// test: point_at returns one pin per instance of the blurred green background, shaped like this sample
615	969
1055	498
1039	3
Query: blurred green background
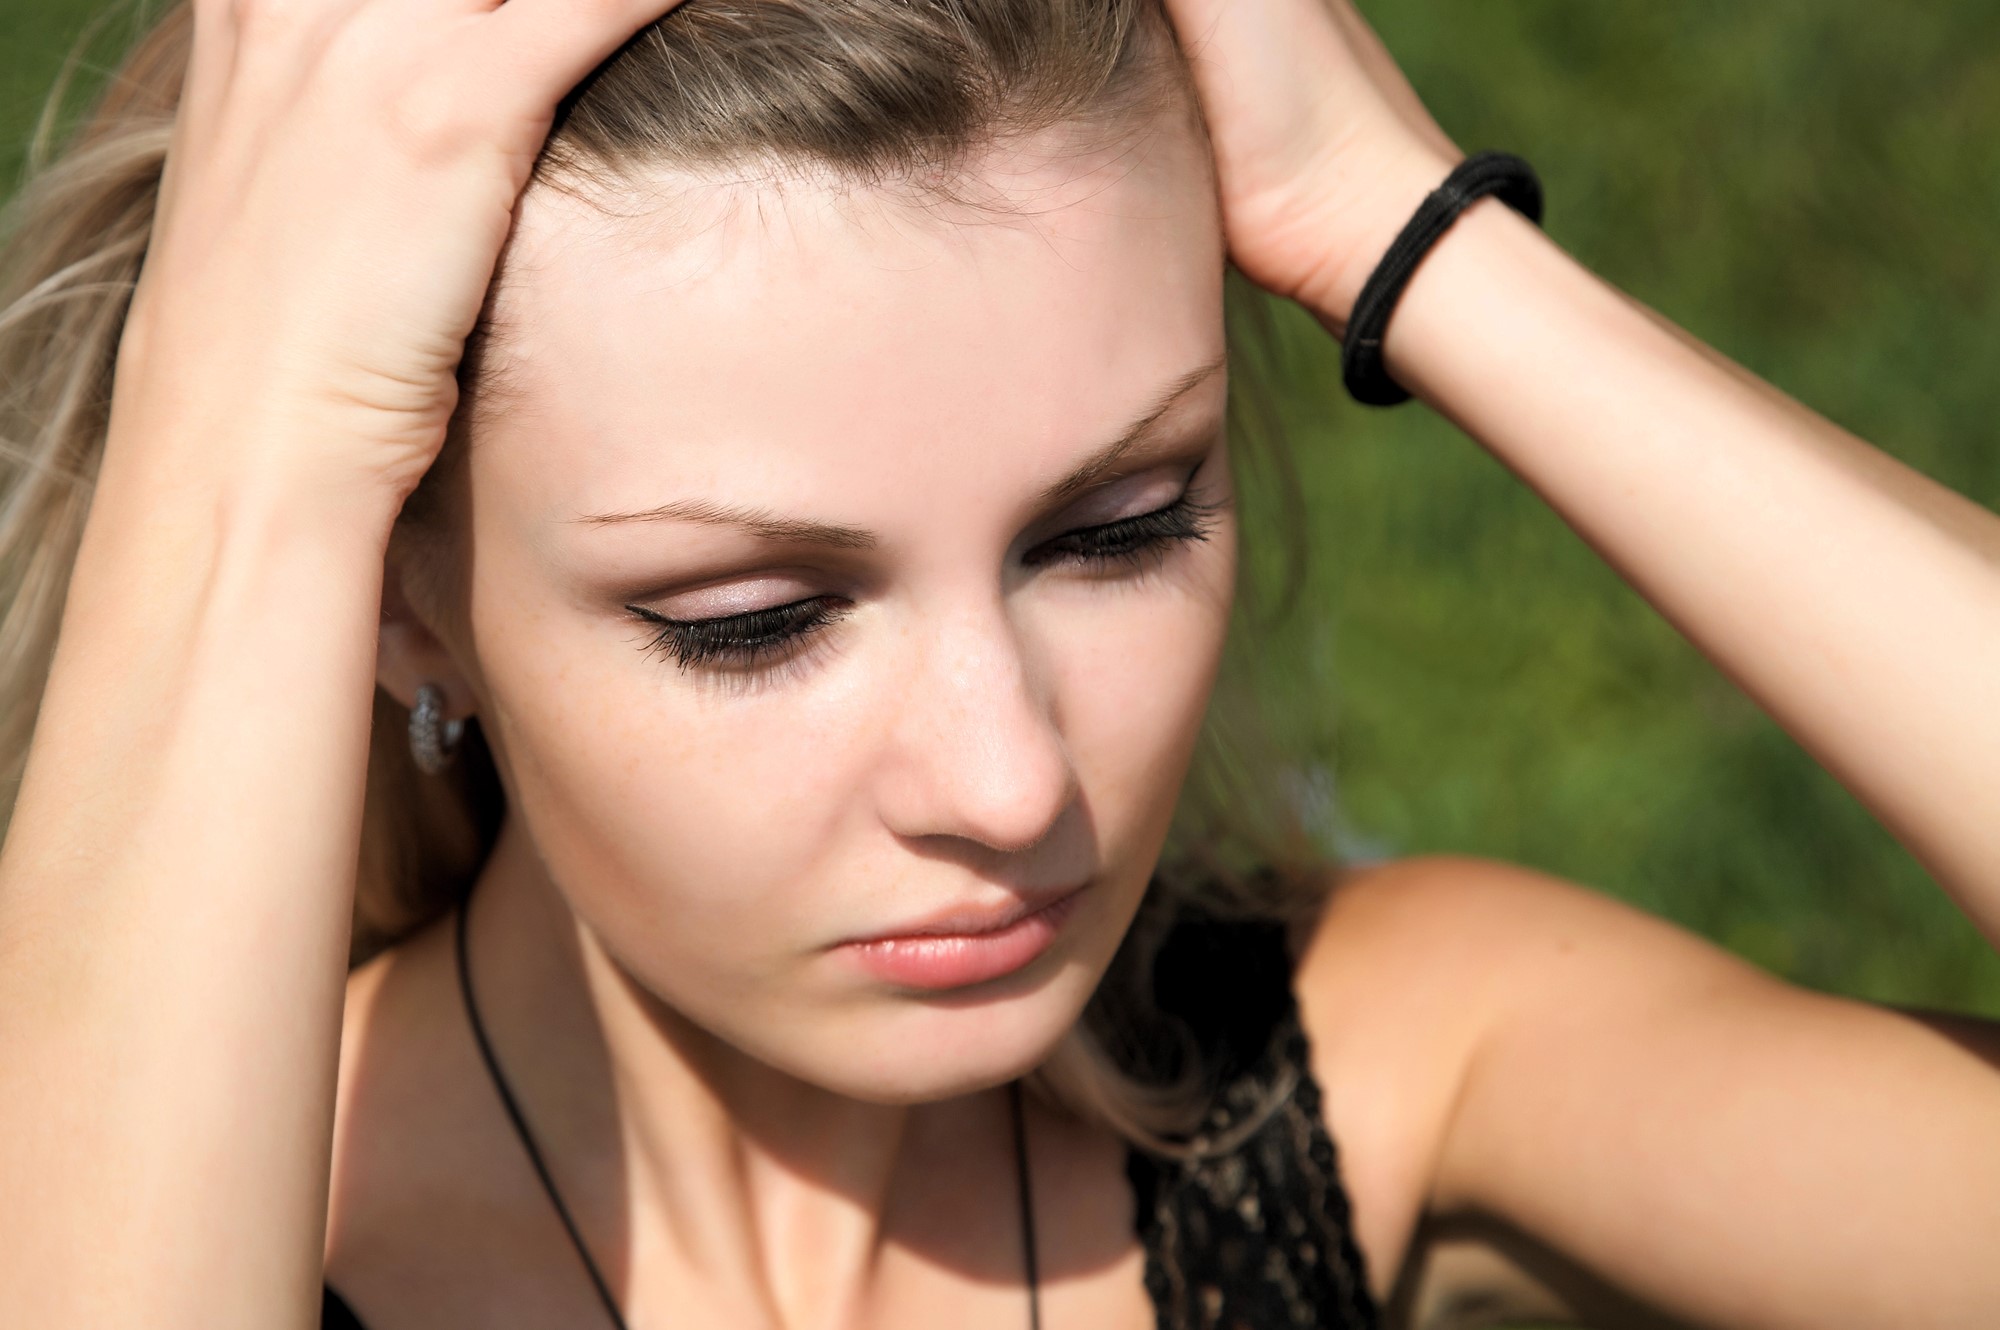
1814	188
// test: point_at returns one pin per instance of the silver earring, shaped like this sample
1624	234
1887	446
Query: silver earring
433	739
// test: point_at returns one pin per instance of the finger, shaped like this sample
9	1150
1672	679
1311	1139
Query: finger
247	57
540	49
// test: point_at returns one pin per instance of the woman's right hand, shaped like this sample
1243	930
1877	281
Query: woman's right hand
341	178
178	874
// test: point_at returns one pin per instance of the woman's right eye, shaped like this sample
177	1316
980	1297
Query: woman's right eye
738	641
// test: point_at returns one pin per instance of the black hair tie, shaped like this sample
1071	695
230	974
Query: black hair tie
1474	178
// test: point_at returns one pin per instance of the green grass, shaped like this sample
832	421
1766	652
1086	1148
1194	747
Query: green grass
1813	188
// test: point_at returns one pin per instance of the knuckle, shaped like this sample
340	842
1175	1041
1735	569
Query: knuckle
415	91
430	123
587	19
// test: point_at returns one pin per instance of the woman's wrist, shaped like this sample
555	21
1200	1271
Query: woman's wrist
1490	274
272	463
276	429
1359	229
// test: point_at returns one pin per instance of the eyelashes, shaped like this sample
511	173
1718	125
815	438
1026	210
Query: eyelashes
739	639
1135	541
755	639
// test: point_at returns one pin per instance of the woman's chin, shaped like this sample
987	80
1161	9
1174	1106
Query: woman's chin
921	1051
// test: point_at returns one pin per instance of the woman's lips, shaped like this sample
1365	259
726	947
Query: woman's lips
939	958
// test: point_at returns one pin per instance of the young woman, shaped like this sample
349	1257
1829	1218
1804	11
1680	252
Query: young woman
801	453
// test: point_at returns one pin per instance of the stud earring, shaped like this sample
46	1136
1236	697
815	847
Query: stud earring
433	739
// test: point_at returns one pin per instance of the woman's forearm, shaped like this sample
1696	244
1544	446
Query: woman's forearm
175	894
1855	599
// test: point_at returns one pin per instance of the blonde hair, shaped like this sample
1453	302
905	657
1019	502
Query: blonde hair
875	90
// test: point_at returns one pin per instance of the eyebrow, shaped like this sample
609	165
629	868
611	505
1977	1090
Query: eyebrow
802	531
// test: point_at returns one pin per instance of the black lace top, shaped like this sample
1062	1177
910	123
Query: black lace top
1256	1237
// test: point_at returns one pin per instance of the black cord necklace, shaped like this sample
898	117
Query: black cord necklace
534	1153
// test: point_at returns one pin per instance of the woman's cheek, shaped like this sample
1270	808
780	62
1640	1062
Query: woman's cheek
685	825
1138	672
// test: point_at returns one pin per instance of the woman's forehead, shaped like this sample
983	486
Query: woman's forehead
804	326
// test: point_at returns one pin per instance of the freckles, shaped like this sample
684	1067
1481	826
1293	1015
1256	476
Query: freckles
1140	689
820	733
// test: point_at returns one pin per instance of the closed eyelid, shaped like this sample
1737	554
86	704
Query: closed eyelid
1113	461
734	598
1157	483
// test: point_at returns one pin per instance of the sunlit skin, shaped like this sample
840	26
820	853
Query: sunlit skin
951	390
752	1131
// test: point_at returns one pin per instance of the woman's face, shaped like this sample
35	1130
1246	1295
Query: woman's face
843	558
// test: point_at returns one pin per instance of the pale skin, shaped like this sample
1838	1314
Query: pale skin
750	1133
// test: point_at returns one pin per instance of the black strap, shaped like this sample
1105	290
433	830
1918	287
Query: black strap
335	1314
1498	173
520	1121
1027	1205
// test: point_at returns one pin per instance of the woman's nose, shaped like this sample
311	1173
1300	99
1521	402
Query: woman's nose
976	751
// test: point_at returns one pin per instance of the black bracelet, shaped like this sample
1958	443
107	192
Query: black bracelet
1471	180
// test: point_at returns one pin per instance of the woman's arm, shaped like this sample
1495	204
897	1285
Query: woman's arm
1855	599
1636	1115
174	901
176	882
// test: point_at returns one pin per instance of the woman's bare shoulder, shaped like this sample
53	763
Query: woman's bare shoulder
1457	922
397	1077
1497	1042
1432	946
1400	979
398	1031
419	1147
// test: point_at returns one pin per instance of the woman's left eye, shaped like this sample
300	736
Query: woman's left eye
1130	540
740	642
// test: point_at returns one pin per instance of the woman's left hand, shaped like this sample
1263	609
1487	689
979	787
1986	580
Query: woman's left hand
1852	597
1323	148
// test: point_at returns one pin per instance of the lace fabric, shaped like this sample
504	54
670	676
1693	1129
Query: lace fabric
1256	1236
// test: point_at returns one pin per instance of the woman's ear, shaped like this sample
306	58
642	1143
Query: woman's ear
410	649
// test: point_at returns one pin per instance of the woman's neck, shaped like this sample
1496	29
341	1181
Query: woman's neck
783	1195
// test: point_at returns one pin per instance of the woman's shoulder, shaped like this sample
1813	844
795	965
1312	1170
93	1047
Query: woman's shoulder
1409	942
426	1197
1384	929
1364	1019
1413	965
